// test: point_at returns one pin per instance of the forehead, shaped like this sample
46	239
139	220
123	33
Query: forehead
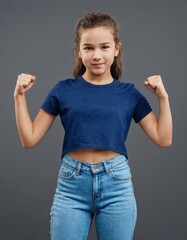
96	35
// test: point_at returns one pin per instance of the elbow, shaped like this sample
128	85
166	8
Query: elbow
165	144
27	145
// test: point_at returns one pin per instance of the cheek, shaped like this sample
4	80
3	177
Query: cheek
86	57
111	57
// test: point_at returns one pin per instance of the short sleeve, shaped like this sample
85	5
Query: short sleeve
142	109
51	102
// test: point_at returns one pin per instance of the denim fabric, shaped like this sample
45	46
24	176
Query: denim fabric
103	189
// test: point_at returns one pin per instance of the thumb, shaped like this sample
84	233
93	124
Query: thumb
149	86
33	78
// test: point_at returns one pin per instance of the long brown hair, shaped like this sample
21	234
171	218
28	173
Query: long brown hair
97	19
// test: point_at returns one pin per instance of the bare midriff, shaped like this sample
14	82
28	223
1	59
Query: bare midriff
92	155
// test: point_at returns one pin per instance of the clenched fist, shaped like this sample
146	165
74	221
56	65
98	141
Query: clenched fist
155	85
24	83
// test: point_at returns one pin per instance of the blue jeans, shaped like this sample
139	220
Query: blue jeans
103	189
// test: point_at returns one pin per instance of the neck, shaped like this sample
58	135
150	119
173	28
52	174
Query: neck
98	79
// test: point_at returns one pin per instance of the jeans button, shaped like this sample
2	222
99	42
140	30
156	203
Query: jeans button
95	167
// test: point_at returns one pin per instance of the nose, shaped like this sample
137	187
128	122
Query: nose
96	54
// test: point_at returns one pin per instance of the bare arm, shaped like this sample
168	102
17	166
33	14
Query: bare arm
158	129
30	132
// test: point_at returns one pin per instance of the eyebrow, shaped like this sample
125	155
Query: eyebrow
89	44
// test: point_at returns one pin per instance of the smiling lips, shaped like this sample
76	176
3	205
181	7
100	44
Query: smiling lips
97	64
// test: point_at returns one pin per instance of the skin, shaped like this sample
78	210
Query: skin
97	50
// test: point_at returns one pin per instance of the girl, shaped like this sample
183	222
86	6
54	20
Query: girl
96	110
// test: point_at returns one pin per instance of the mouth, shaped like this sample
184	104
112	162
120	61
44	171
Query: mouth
97	64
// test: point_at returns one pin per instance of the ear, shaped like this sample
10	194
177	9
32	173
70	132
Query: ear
78	52
117	49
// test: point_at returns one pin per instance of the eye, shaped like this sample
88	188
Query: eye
88	48
105	46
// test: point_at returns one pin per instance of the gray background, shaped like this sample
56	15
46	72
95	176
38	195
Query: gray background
37	37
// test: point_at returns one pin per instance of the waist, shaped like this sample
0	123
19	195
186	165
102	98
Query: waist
95	166
92	155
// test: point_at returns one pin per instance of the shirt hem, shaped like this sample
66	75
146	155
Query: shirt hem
65	151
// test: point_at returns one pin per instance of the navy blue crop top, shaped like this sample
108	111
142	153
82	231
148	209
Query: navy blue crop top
95	116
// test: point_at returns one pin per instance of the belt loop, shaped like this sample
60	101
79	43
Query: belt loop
78	168
106	168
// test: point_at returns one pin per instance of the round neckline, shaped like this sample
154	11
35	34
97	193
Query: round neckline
96	85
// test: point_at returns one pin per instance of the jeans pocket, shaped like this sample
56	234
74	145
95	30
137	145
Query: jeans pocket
66	172
121	171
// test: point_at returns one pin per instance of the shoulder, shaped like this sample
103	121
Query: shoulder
62	85
128	87
130	92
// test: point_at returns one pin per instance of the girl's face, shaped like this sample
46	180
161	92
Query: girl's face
97	50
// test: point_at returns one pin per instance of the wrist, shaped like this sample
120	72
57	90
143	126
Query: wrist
18	95
163	96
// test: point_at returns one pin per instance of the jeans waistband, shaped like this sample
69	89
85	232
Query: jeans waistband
95	166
